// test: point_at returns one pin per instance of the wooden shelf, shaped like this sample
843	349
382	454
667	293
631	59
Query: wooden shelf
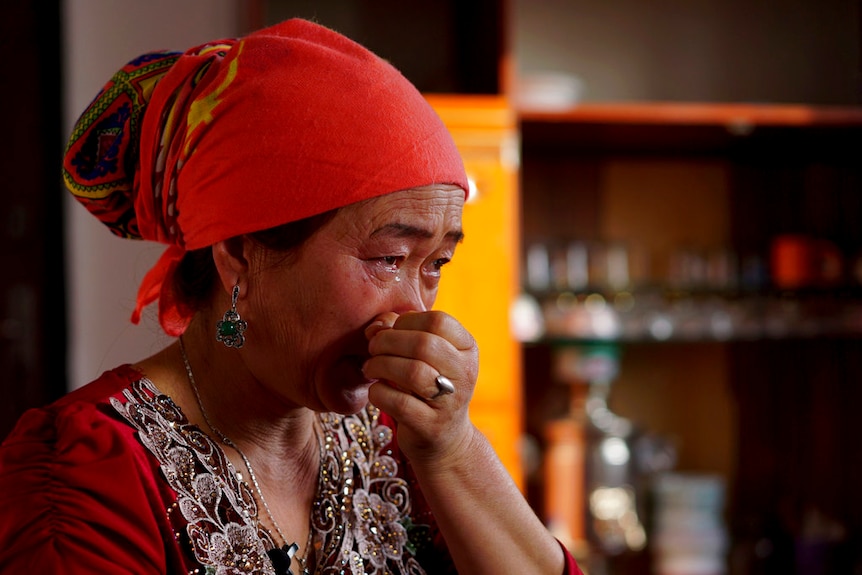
736	116
693	128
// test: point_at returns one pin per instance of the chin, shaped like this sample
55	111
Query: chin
347	387
350	400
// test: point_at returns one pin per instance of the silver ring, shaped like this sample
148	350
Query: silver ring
444	386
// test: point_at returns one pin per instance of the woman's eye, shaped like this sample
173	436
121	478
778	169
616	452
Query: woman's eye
389	264
439	263
435	266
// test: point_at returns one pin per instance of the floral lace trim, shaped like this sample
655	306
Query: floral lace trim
361	516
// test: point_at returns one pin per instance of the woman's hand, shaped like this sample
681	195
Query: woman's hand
472	496
408	352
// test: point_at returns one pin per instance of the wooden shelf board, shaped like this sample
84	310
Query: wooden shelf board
693	128
737	115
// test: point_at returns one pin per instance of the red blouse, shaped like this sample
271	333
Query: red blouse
113	479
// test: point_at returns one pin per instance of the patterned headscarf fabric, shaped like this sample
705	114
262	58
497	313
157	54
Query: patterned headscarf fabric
237	136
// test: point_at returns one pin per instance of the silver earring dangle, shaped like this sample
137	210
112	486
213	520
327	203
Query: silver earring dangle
231	328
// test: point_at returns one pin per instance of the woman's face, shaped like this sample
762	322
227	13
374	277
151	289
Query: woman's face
307	315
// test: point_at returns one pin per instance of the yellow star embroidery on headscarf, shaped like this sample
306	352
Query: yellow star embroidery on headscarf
200	111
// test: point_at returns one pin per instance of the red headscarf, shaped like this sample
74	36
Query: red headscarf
237	136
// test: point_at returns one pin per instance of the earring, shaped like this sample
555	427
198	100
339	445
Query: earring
230	329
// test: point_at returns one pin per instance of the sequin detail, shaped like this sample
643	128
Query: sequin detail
358	517
362	505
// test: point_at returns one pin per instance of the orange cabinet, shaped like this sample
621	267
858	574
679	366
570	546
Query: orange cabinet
481	283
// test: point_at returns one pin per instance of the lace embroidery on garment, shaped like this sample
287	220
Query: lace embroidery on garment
361	516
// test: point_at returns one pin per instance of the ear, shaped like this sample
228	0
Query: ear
231	261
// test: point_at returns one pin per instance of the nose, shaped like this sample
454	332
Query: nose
410	295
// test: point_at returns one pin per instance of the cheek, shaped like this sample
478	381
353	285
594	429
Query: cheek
351	297
366	297
429	297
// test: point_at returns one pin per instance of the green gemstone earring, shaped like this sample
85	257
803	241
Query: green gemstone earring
230	329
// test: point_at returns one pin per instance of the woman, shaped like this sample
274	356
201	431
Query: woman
309	198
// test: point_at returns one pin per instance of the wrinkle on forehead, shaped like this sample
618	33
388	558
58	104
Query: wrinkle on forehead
407	231
419	212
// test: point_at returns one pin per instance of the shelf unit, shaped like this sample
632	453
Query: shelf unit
773	414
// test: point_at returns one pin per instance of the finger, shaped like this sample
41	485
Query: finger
381	322
404	407
408	375
438	323
423	346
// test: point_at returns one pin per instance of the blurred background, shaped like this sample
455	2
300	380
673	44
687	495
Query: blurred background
663	264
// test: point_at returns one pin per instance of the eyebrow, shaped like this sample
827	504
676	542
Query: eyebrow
407	231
